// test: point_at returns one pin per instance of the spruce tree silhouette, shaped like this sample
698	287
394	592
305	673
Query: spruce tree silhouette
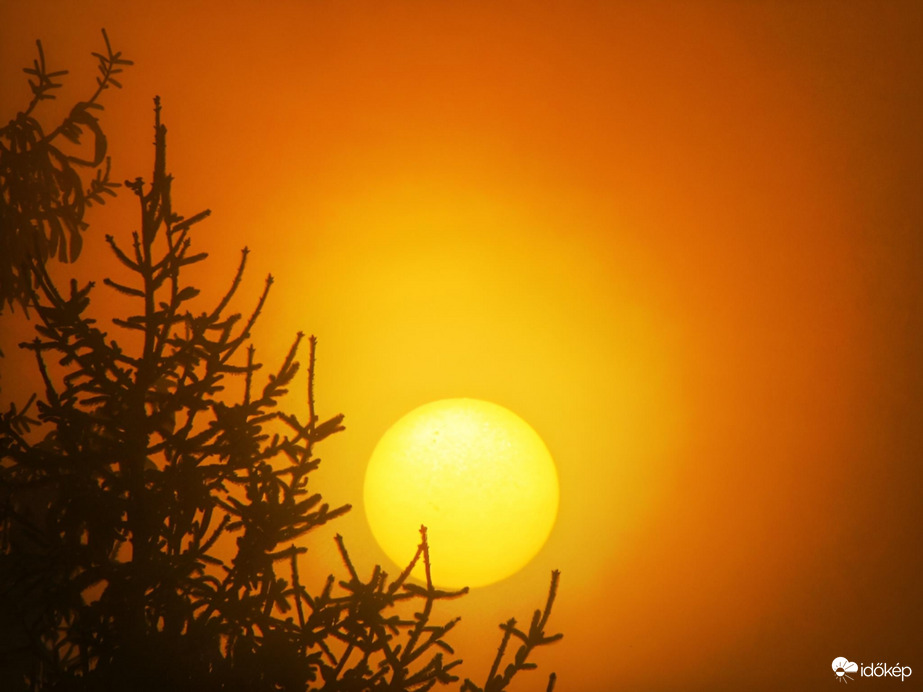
155	497
42	194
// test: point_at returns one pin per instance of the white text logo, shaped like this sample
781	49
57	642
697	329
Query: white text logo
843	666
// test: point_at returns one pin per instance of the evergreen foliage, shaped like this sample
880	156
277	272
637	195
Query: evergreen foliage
42	194
154	497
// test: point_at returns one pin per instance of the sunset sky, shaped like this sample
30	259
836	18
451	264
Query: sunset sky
683	240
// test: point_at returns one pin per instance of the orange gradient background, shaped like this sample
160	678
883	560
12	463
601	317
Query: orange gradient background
683	241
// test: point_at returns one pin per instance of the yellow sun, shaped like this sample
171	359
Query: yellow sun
477	476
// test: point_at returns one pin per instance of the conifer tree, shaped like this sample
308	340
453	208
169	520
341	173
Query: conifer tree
43	196
155	497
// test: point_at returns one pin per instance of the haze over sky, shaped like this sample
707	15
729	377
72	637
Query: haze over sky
684	241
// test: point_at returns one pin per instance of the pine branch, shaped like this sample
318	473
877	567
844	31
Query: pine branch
535	637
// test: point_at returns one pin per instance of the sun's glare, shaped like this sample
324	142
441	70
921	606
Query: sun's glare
477	476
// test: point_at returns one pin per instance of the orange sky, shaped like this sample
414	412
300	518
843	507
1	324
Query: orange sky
682	240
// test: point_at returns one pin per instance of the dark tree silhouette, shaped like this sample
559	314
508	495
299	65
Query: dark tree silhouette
155	496
42	194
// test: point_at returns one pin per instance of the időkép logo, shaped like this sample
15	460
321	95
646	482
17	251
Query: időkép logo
842	667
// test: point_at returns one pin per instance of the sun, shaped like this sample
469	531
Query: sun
477	476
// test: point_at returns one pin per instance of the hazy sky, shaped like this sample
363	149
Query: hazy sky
683	240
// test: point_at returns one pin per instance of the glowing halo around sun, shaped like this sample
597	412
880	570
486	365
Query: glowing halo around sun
477	476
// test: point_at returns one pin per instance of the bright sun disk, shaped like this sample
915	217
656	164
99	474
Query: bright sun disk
477	476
